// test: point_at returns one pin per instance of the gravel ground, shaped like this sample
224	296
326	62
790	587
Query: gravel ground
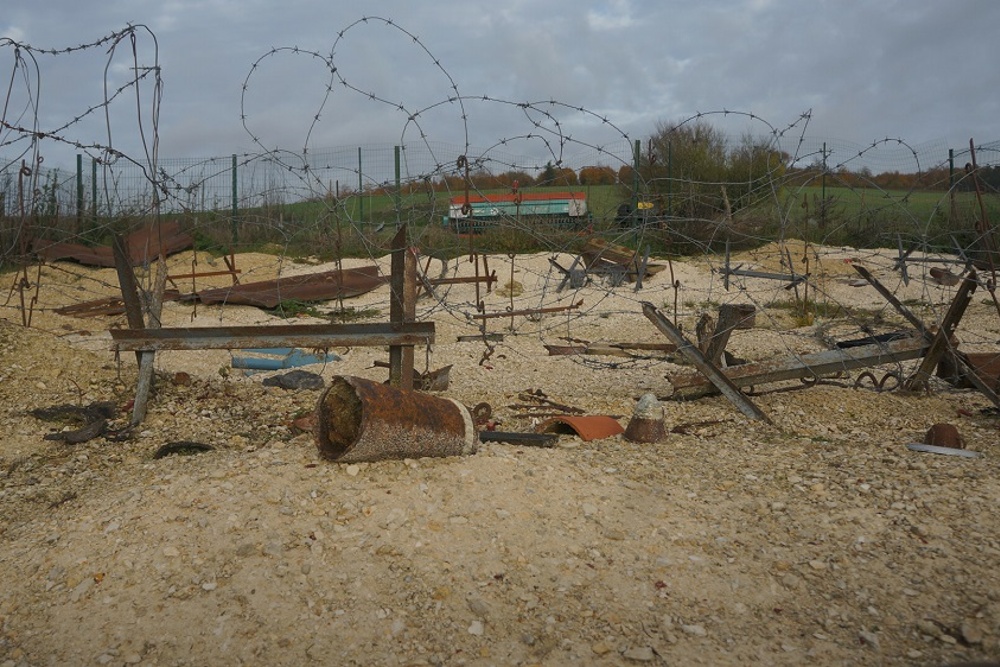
820	539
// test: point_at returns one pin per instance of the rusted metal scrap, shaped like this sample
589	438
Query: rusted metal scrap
362	420
601	256
309	336
323	286
622	349
142	247
535	399
588	427
518	438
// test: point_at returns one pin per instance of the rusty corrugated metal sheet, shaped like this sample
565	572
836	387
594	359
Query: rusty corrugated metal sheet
144	245
310	287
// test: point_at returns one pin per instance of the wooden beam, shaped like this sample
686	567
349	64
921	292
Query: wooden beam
814	365
402	308
708	370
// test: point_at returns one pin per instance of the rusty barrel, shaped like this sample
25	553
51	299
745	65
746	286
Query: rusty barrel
362	420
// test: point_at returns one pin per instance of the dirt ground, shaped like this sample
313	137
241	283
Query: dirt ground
820	539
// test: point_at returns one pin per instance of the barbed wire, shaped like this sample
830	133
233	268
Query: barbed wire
432	175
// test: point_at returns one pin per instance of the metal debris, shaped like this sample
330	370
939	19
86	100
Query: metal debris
324	286
944	435
142	247
182	448
588	427
297	379
361	420
947	451
517	438
646	424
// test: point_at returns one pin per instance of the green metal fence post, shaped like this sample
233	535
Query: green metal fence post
361	197
822	204
79	192
399	187
670	179
636	154
236	201
93	188
951	184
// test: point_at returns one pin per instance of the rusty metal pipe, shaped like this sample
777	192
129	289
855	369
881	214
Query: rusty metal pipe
362	420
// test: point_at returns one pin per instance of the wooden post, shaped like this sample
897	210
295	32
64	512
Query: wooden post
402	307
730	317
133	313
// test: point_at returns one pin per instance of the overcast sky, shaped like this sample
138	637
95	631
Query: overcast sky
919	70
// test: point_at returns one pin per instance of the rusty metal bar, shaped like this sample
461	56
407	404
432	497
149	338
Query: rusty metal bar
709	370
489	280
530	311
793	279
205	274
309	336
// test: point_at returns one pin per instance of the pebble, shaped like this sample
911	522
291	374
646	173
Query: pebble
478	607
869	639
477	628
601	648
972	633
352	470
694	630
640	654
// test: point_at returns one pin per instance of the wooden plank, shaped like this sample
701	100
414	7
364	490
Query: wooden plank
815	364
308	336
710	371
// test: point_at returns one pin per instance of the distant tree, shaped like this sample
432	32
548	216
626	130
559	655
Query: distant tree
565	176
602	175
548	174
523	179
705	175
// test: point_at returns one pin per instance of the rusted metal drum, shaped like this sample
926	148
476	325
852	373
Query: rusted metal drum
362	420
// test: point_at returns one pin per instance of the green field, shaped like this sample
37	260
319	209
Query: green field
362	225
